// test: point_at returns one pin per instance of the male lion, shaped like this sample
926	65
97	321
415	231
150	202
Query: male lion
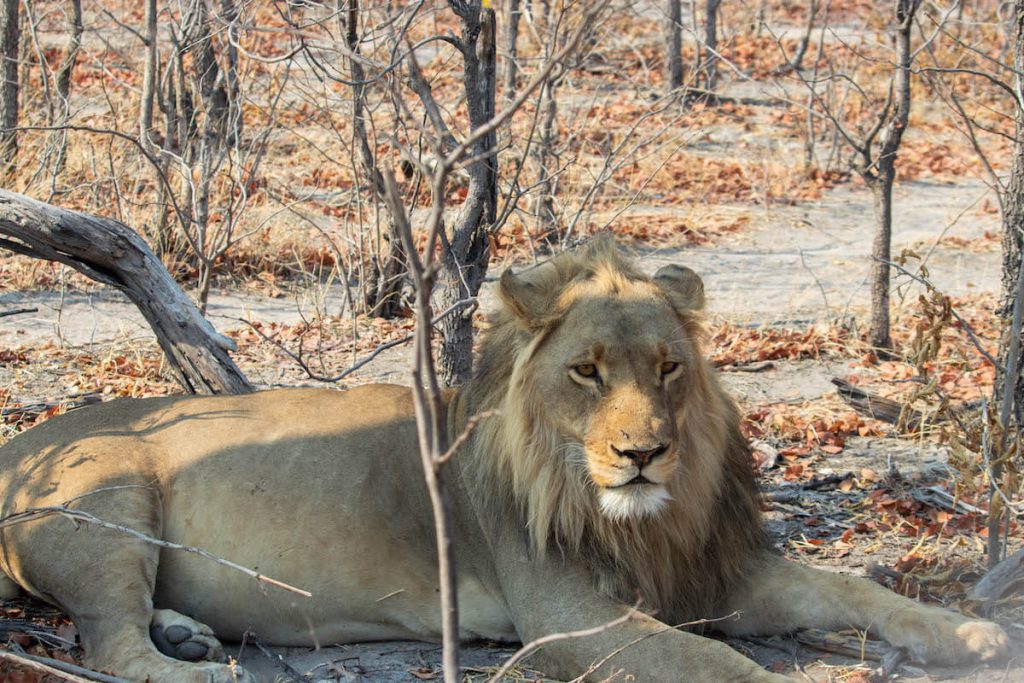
615	469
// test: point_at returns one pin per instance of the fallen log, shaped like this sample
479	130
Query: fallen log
878	407
1005	579
112	253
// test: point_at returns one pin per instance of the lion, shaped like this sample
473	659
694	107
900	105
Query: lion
615	472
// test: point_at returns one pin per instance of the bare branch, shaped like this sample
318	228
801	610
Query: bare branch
463	436
31	514
17	311
63	670
526	649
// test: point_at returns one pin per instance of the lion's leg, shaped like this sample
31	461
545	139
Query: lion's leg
104	579
782	596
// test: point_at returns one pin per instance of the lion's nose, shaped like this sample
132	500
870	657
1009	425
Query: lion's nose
641	456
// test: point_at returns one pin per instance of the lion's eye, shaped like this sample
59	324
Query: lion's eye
586	370
668	367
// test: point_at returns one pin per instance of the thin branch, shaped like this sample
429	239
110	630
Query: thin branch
422	89
182	217
17	311
993	476
614	653
297	357
526	649
32	514
463	436
64	670
431	427
290	671
1002	85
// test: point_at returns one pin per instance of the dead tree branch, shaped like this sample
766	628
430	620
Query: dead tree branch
54	667
112	253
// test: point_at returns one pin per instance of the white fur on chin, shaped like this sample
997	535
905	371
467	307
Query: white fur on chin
627	502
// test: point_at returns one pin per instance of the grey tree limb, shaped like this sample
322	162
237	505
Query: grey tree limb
112	253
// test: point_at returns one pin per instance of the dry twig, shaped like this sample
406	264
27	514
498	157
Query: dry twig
31	514
55	667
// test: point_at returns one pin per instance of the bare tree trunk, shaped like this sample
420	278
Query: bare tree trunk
673	46
711	44
382	284
67	65
232	128
9	33
881	181
511	49
547	225
1013	242
215	85
1008	389
111	253
162	235
465	255
881	191
795	64
1013	225
165	243
60	109
149	83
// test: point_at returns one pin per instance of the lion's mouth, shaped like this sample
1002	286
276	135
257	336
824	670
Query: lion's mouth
638	480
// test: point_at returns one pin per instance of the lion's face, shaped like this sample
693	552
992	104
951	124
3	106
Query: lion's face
621	364
611	370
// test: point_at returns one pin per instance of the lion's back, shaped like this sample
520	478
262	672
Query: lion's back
159	438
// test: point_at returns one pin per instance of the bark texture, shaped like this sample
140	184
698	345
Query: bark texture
891	126
673	45
711	44
1013	233
9	88
465	249
1008	390
512	49
112	253
386	272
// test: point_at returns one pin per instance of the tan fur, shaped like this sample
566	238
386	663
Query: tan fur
615	472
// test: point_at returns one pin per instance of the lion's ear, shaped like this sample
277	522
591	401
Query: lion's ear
528	301
683	285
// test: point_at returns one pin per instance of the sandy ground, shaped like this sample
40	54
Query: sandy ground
794	265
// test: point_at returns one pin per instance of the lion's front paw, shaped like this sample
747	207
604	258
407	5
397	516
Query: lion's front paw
939	637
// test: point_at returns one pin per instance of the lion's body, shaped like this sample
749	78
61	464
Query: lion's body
615	470
218	464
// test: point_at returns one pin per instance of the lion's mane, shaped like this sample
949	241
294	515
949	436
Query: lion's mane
682	561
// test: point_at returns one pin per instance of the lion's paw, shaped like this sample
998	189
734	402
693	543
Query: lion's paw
984	639
178	636
940	637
